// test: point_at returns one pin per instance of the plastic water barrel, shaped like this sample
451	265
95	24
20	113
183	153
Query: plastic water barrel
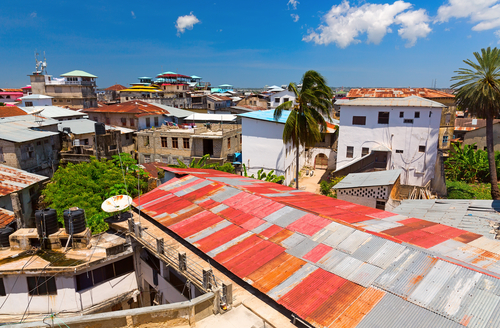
46	222
74	220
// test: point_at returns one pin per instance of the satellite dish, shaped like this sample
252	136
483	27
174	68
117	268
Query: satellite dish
116	203
36	111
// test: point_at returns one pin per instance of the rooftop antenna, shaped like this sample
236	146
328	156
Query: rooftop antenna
44	64
38	119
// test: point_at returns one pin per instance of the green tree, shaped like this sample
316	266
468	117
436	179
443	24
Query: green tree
307	119
479	92
467	164
88	184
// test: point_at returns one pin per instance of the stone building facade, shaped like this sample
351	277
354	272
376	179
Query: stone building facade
168	144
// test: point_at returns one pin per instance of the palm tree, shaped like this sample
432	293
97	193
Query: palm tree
479	92
307	120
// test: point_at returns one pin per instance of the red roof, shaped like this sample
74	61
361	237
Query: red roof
174	76
397	93
329	261
137	107
6	217
116	87
7	111
11	90
12	179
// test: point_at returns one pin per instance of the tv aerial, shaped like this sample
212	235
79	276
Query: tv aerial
116	203
38	119
41	65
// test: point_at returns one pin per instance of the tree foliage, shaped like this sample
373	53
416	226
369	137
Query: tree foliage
88	184
309	113
261	175
202	163
325	187
469	165
479	92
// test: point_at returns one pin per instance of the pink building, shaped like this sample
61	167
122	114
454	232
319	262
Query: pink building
10	96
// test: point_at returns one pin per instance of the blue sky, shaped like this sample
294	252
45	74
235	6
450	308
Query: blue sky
248	44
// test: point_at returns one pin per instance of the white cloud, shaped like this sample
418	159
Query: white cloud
484	13
343	23
185	23
293	3
414	25
33	14
295	17
133	14
497	34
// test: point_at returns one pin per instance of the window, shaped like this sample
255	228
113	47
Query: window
241	139
399	151
350	152
107	120
185	143
95	119
383	117
132	123
28	103
148	122
408	120
113	147
124	121
365	151
146	140
277	100
147	158
359	120
2	288
175	143
485	148
286	99
380	204
127	136
417	114
164	142
445	141
229	143
474	147
69	100
447	119
421	149
42	286
94	277
156	121
401	114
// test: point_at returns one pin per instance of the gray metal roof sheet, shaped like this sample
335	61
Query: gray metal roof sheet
369	179
55	112
394	312
24	128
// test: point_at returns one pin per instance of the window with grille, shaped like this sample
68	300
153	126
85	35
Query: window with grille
39	286
417	114
383	117
175	143
185	143
164	142
350	152
359	120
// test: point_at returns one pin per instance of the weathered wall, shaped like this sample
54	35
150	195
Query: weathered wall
478	137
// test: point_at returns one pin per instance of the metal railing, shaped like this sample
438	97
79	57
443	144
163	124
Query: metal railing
194	272
85	83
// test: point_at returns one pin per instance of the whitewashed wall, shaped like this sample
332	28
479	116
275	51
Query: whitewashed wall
281	95
418	167
263	147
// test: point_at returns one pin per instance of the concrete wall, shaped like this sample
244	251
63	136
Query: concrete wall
263	148
366	196
478	137
67	298
183	314
418	167
280	96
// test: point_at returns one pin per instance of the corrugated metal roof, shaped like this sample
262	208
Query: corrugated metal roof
6	216
78	73
12	179
412	101
302	250
397	92
24	128
55	112
210	117
368	179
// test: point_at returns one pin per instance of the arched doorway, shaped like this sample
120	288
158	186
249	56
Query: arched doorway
321	162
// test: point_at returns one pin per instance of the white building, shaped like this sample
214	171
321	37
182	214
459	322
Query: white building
281	97
403	132
263	147
36	100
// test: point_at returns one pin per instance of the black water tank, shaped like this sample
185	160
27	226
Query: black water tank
100	128
4	236
46	222
74	220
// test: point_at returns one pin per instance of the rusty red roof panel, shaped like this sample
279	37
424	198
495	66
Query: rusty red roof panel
317	253
397	93
219	238
136	107
313	291
444	231
309	224
195	224
12	179
238	248
8	111
116	87
6	217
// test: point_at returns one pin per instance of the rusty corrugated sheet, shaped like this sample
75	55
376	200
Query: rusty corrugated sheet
300	249
6	217
12	179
